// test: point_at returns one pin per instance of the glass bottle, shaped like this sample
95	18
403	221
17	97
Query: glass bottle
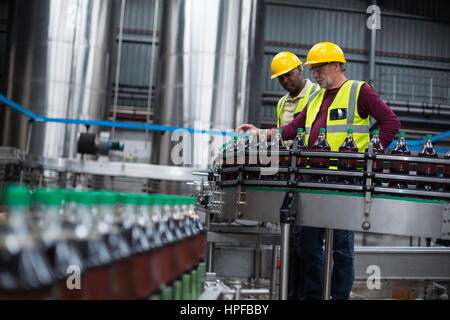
427	169
299	144
93	248
283	160
400	167
25	272
251	160
138	242
377	165
117	245
58	243
321	145
348	146
263	147
165	252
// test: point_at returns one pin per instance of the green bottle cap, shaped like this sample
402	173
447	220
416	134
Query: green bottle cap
300	130
14	195
376	131
107	198
48	197
322	130
279	130
86	197
71	195
429	136
167	200
235	138
349	130
402	134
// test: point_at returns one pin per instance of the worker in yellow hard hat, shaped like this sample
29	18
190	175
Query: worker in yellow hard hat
287	67
343	104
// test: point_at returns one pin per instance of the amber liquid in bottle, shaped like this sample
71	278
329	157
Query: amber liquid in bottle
377	165
348	146
300	145
427	169
321	144
400	167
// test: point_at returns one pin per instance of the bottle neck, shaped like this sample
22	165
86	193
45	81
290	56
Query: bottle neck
18	229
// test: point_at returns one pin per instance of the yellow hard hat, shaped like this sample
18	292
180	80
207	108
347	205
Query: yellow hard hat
284	62
325	52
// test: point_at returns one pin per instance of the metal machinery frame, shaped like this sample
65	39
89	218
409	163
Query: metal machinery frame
359	206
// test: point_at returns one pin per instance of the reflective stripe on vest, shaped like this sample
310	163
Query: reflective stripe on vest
346	100
302	102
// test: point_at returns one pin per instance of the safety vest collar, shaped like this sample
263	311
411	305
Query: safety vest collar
310	94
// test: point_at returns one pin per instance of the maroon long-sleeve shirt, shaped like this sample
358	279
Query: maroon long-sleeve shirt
369	103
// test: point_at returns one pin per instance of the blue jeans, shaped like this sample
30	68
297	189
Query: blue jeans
312	251
296	274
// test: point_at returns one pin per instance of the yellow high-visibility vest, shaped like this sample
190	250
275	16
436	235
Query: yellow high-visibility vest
342	114
311	92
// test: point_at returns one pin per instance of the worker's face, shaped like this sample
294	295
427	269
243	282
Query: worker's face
325	73
292	80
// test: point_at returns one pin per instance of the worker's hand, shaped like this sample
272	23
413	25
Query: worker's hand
243	128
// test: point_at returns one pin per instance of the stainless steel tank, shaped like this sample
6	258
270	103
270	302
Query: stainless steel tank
208	75
59	67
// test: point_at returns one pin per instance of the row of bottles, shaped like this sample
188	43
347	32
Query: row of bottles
321	145
65	244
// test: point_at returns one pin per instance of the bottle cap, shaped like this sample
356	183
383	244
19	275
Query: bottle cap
235	138
14	195
322	130
349	130
402	134
128	198
49	197
86	197
108	198
300	130
279	130
376	131
429	136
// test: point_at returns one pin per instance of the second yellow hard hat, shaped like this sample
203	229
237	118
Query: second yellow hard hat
284	62
325	52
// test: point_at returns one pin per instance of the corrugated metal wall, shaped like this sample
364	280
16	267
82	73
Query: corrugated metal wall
412	47
136	52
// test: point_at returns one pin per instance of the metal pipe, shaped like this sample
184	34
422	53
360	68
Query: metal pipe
237	291
273	281
257	265
119	58
210	256
152	64
30	129
373	35
328	264
284	261
247	292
